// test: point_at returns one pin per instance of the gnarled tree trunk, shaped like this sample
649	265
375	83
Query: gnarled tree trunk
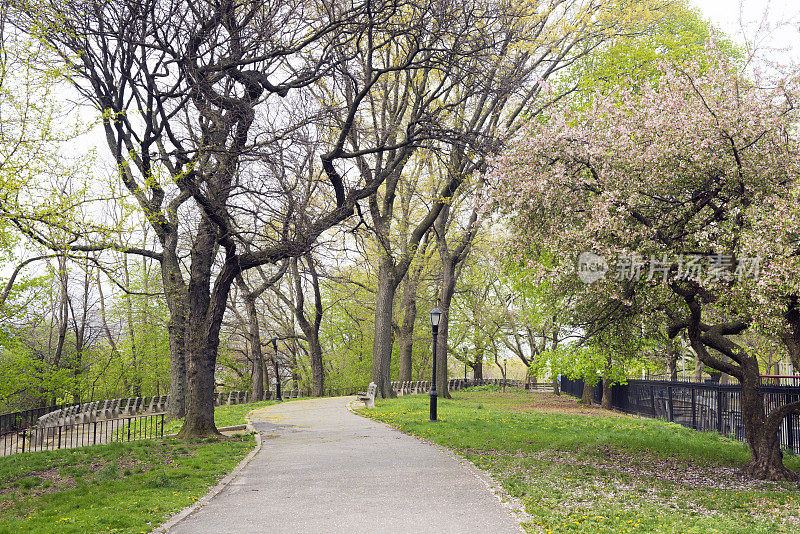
587	397
176	295
382	344
477	367
203	333
673	353
605	403
408	304
766	457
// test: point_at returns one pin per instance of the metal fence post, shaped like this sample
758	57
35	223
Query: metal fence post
670	411
653	399
719	409
789	426
59	437
694	409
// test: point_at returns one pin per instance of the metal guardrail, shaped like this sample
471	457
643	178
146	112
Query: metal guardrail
700	406
122	430
109	409
16	421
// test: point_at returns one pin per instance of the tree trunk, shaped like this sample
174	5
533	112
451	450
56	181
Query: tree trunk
766	457
588	394
672	369
310	329
446	297
63	315
294	366
406	338
176	295
178	381
382	345
199	420
317	368
204	321
606	401
698	369
257	386
254	335
672	360
554	346
477	368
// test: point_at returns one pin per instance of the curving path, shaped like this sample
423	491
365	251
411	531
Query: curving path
323	469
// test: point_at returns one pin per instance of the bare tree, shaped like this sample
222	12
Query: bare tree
194	98
309	326
253	328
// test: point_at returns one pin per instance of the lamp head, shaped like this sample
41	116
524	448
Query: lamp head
436	317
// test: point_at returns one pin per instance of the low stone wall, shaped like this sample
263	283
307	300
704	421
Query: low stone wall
455	384
115	408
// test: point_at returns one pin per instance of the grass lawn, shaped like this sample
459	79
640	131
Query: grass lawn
582	469
223	416
120	487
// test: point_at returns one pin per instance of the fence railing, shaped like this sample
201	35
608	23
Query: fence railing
16	421
124	429
705	407
455	384
69	414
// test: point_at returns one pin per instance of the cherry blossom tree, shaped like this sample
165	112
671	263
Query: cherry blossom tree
690	182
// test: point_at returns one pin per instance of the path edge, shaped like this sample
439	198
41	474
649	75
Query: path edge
514	506
221	485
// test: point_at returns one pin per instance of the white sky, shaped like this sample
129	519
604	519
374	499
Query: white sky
774	25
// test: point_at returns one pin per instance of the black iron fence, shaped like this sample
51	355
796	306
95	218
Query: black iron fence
123	430
705	407
16	421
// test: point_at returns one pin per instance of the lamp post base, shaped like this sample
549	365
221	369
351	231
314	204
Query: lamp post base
434	399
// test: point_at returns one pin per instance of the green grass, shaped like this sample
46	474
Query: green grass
223	416
120	487
594	474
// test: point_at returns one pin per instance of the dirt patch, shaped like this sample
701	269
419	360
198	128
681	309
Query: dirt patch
549	403
52	481
644	466
688	474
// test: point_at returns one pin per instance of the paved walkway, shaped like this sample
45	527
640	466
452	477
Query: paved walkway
323	469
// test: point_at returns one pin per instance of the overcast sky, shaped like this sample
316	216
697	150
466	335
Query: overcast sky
777	20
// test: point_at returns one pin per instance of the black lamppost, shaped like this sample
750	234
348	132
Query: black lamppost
274	342
436	316
465	366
